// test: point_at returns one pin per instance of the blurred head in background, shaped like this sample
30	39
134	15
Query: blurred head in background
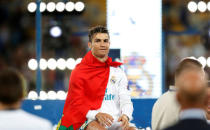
12	86
185	65
191	81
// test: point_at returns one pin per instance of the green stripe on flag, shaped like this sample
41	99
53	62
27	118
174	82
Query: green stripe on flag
65	128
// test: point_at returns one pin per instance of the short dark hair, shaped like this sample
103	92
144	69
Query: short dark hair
187	63
95	30
12	86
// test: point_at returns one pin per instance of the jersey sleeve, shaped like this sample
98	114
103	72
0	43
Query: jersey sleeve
126	106
92	114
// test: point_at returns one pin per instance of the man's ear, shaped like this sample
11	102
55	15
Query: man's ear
90	45
178	97
206	100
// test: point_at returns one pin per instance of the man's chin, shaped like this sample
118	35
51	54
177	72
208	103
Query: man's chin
102	55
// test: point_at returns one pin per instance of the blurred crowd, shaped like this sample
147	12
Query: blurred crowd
184	34
18	38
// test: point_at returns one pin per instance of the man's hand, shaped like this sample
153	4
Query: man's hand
125	121
104	119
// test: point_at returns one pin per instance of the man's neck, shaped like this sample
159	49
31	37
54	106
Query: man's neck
102	59
196	106
10	106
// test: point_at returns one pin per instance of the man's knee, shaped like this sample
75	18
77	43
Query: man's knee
94	125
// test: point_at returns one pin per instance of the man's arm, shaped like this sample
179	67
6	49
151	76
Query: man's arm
92	114
154	116
126	106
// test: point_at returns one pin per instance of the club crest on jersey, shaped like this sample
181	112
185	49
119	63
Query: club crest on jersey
113	80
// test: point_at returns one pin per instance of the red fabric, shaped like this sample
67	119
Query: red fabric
87	87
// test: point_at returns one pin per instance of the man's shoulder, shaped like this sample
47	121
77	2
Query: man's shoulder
117	69
33	118
167	96
76	73
192	124
23	120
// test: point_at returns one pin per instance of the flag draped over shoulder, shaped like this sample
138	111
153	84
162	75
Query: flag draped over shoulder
87	87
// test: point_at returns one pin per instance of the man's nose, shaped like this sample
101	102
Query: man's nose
103	43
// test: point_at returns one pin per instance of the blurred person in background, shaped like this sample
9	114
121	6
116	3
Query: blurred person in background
98	97
166	109
192	97
12	91
208	107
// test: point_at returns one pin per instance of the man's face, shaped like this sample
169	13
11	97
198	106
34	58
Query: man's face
100	45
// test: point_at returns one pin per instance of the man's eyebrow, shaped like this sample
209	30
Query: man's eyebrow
101	39
106	39
98	39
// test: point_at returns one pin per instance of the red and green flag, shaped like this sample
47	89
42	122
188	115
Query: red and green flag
87	87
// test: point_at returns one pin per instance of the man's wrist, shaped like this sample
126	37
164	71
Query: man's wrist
91	114
126	117
96	116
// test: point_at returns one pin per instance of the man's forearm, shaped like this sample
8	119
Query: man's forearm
92	114
127	109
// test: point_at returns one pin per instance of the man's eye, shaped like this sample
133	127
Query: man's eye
106	40
97	40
